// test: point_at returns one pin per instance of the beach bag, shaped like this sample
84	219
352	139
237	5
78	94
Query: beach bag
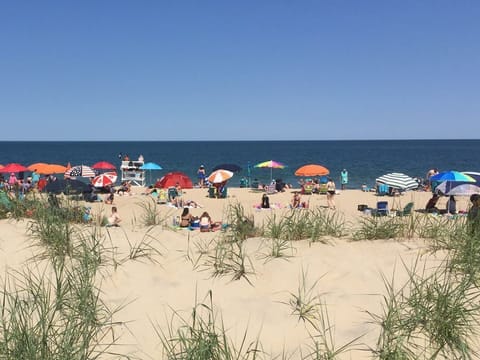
362	207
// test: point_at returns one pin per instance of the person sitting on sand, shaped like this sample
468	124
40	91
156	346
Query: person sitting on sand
186	219
114	219
205	222
125	188
474	209
296	200
265	202
451	205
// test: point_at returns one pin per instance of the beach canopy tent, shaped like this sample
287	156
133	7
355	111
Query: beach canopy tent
230	167
398	181
103	165
13	168
172	178
66	186
312	170
460	188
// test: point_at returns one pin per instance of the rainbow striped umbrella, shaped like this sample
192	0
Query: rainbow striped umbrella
272	164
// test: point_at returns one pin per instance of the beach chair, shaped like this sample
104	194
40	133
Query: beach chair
212	192
270	189
322	189
307	189
162	196
381	209
407	210
382	189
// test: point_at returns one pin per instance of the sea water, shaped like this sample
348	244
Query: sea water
364	160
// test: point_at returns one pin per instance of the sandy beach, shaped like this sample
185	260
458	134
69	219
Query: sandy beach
346	275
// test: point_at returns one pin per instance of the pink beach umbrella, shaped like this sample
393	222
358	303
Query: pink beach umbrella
13	168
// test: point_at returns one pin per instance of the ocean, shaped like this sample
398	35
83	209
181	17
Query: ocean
364	160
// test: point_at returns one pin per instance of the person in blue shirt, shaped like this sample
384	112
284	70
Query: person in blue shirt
344	178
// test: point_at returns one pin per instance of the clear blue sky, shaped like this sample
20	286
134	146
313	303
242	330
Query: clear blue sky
239	70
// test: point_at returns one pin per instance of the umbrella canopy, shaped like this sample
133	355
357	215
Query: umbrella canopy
312	170
452	176
398	181
150	166
172	178
43	168
219	176
230	167
80	170
13	168
461	187
103	165
66	186
104	179
272	164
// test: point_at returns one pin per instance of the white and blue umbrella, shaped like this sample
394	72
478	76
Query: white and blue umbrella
150	166
398	181
461	188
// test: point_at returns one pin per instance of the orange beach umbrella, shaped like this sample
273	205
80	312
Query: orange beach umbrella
312	170
45	169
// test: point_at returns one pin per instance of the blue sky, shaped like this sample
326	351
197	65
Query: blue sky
239	70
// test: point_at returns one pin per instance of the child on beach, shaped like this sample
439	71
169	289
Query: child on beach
114	219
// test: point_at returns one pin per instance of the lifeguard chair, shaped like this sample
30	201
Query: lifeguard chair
132	171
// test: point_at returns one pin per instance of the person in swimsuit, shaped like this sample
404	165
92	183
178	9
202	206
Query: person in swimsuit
331	194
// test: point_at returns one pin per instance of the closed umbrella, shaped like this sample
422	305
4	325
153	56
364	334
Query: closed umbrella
398	181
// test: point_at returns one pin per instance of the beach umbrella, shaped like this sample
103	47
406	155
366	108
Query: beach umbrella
452	175
398	181
461	187
13	168
272	164
230	167
66	186
150	166
104	179
44	169
219	176
172	178
80	170
103	165
312	170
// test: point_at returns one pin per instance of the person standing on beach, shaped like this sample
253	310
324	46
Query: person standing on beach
344	178
331	194
201	176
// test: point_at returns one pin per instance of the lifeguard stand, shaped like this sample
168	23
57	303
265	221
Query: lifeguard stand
131	171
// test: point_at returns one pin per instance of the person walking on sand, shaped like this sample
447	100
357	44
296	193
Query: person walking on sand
201	174
331	194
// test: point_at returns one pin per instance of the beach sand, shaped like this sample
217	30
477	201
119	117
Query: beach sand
348	274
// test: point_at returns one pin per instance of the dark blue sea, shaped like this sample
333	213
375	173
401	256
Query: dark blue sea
364	160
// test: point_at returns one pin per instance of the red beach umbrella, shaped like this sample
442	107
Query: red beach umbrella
105	179
13	168
172	178
103	165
